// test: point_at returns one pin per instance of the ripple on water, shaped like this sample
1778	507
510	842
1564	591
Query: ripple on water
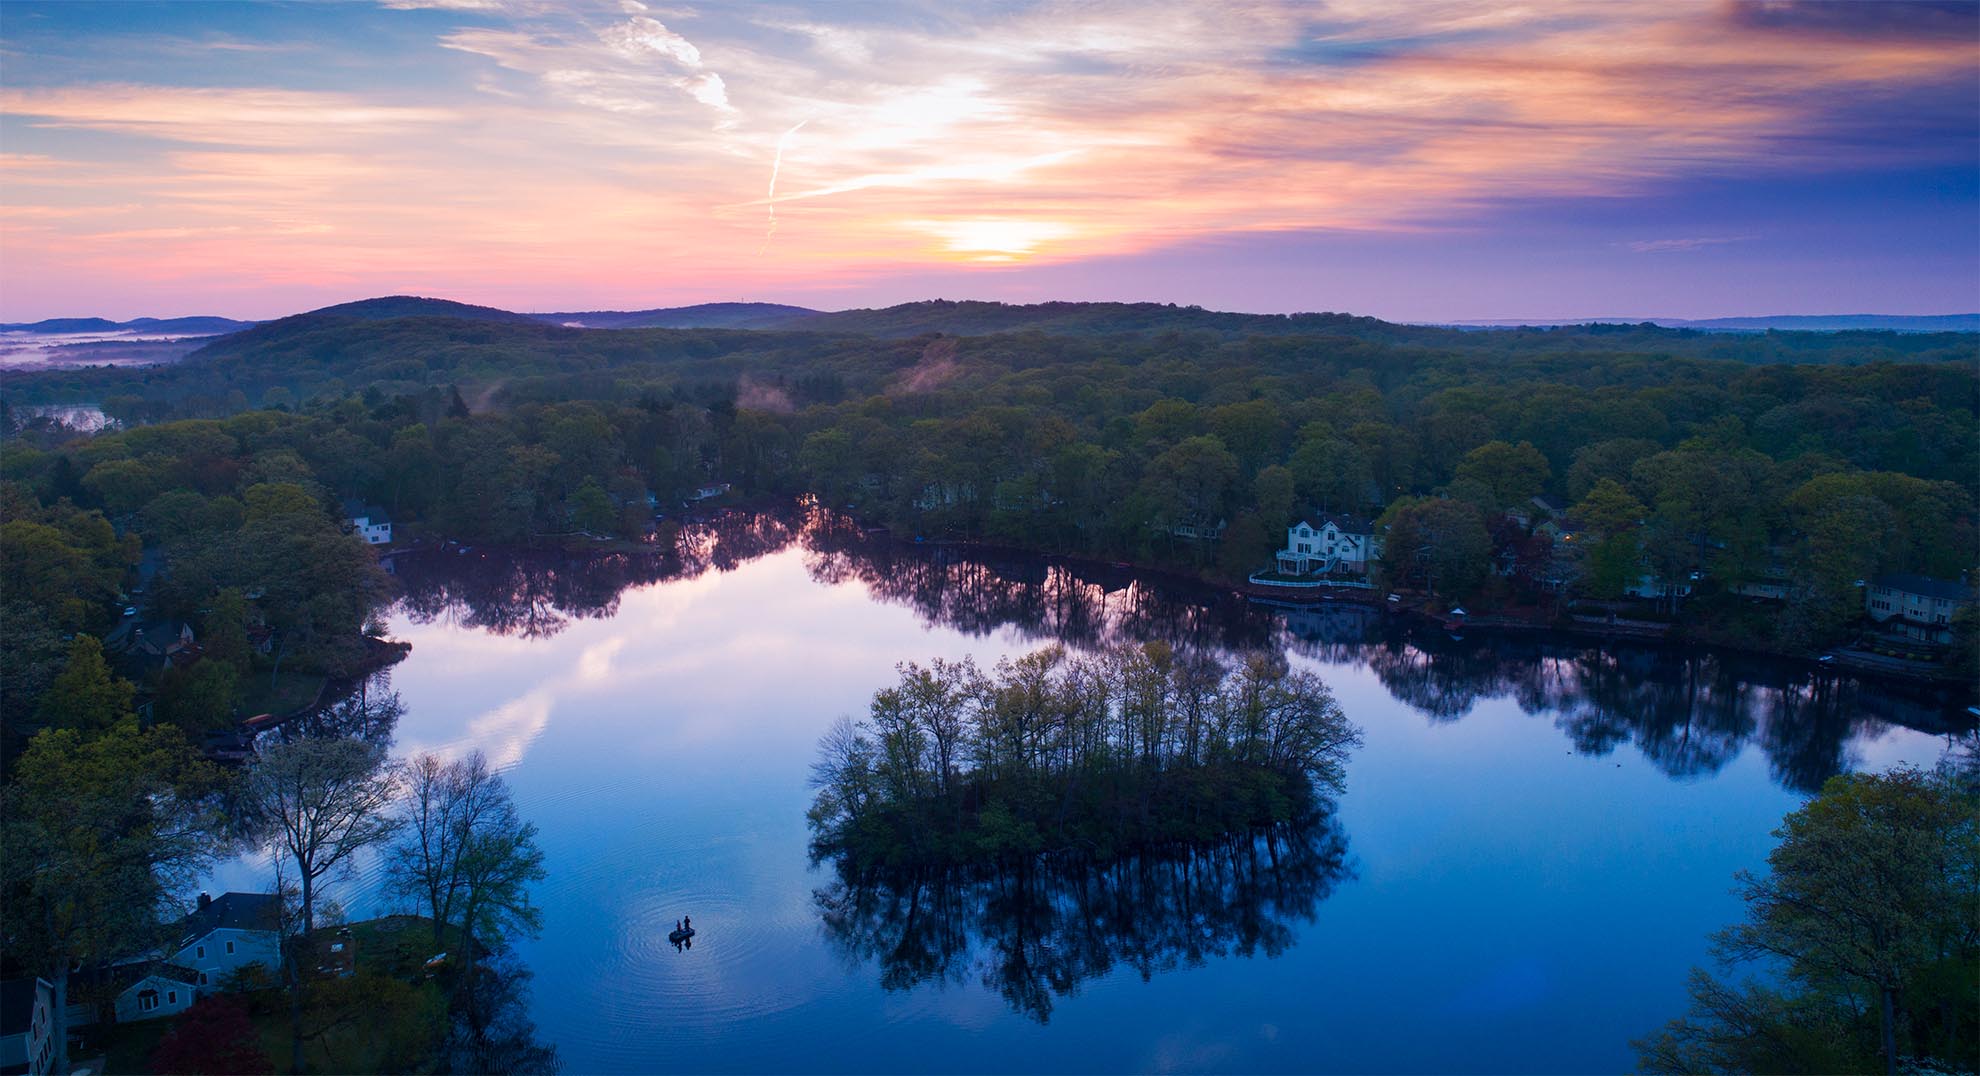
738	969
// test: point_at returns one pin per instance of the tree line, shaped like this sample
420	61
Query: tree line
1134	747
1119	445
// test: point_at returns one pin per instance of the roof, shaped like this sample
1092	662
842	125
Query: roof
17	1004
1547	502
113	981
356	509
155	637
235	911
175	972
1948	589
1345	522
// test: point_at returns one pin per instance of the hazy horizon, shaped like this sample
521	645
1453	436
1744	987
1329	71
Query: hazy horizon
1489	319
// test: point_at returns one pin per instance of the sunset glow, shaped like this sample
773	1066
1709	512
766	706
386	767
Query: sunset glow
252	161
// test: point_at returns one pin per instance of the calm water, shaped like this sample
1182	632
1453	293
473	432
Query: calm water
1534	844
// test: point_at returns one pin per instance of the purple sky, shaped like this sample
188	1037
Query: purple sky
1420	161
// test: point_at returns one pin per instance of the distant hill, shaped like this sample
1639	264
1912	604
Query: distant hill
414	306
195	326
203	326
1902	323
971	318
703	316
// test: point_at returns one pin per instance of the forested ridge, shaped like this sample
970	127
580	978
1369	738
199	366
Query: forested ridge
1676	451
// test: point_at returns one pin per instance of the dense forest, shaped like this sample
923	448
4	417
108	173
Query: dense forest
219	487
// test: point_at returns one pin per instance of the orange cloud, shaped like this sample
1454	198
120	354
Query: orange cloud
617	154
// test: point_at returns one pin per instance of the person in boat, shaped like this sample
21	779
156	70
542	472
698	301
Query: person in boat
677	926
687	923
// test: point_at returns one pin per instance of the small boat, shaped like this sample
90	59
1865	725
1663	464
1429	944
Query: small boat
679	936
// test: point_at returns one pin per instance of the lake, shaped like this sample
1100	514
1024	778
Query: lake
1535	842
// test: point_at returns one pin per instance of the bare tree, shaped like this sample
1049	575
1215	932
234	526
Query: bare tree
470	859
321	801
447	805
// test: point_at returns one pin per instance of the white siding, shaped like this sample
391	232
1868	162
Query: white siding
173	997
210	954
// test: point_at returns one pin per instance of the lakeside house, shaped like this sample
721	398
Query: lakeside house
1916	606
138	990
1200	527
167	642
709	491
1655	587
217	939
368	522
27	1027
224	934
1329	543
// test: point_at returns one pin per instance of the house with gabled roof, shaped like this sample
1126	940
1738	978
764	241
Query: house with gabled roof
1916	606
155	644
138	990
224	934
1326	542
368	521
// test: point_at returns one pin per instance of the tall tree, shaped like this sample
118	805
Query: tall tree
98	838
1868	907
321	802
446	805
86	695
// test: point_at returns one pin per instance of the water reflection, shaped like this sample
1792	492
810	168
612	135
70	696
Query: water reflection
1690	712
490	1029
369	712
1034	933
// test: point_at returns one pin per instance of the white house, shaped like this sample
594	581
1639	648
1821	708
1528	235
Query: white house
141	990
1202	527
1652	585
228	933
27	1027
162	990
1326	542
1917	606
368	522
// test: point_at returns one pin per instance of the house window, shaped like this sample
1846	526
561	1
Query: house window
147	1000
230	947
171	997
202	979
200	952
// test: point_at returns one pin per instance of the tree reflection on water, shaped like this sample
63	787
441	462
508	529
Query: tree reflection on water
1036	931
1689	711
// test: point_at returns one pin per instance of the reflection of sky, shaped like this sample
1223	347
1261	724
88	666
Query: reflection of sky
1517	907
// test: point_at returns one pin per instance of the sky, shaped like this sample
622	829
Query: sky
1420	161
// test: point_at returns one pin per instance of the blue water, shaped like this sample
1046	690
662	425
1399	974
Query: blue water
1509	903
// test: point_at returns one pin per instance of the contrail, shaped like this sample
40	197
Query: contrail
776	166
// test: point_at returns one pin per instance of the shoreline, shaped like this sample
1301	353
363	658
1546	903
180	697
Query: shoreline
1410	611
